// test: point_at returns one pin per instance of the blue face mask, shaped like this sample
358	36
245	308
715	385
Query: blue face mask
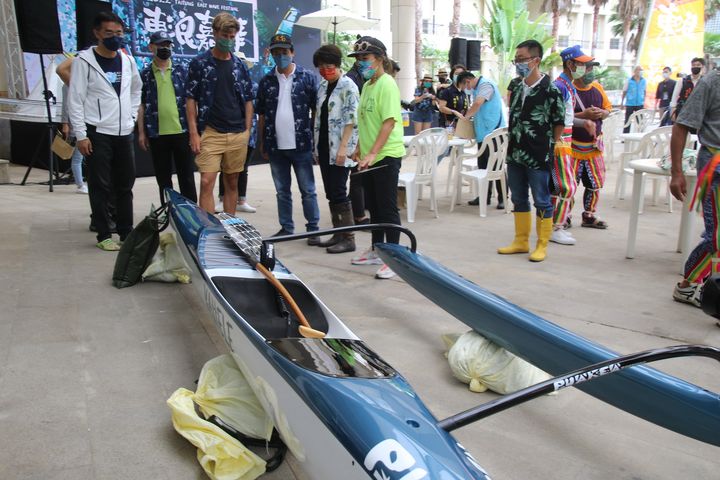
468	91
113	43
522	69
365	69
282	61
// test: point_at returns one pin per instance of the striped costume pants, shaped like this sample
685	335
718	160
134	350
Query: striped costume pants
589	167
563	179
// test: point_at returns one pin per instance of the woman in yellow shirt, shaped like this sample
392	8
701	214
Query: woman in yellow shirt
381	146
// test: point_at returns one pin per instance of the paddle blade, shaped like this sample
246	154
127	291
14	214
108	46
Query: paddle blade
308	332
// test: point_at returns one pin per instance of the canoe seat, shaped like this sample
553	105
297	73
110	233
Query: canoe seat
256	301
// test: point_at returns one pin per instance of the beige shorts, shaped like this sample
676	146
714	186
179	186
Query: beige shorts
222	152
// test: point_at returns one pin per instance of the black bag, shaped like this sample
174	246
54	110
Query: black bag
139	248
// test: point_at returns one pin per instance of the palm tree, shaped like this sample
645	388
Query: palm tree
630	16
455	23
558	8
596	4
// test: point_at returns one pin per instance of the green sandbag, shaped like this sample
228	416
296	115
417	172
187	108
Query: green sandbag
138	249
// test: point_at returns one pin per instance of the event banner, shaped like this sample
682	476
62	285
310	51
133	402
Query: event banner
674	36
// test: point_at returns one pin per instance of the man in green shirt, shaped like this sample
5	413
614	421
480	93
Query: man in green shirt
162	126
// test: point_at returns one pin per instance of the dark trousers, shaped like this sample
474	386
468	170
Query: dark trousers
334	180
168	148
357	195
111	170
629	111
482	163
381	188
242	177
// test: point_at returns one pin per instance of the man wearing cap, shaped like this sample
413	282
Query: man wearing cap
564	183
219	113
591	103
633	95
285	102
162	121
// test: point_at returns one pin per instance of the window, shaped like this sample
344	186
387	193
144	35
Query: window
426	26
563	41
614	44
469	31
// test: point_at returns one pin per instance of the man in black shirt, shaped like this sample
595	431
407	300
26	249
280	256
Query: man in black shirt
663	95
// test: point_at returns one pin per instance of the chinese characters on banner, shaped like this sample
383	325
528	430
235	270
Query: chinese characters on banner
675	35
189	23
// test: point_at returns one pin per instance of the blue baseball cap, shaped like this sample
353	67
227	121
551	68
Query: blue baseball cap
576	54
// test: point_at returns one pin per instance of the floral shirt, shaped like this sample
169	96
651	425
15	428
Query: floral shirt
342	110
304	99
202	79
150	97
533	116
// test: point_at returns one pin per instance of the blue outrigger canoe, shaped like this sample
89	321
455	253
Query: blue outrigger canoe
344	412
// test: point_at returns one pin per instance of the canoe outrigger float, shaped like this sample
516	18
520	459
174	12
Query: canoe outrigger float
343	411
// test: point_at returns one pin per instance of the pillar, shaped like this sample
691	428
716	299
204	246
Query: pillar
402	21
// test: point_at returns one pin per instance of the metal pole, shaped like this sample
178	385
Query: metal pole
47	94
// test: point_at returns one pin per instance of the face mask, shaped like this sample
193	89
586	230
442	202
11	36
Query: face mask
427	84
579	72
522	69
282	61
588	78
366	69
225	45
328	73
113	43
666	75
442	79
163	53
696	70
468	91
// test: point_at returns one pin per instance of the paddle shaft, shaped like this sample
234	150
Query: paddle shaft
308	331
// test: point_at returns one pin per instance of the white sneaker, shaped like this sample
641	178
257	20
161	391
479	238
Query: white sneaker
245	207
219	207
368	257
563	237
384	273
82	189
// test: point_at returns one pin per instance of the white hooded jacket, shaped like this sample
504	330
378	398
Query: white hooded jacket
92	99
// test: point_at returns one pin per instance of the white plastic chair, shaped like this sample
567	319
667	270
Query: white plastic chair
469	151
640	121
611	132
429	145
496	143
653	145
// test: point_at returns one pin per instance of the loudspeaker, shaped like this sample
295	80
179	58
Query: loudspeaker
38	26
458	51
473	55
85	13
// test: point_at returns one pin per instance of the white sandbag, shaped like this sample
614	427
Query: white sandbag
168	264
224	392
484	365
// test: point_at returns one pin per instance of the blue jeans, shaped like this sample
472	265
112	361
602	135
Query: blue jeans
520	178
280	163
77	170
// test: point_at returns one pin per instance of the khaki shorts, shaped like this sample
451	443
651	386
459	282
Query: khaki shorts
222	152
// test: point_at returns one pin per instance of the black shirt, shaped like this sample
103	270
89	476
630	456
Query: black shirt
456	100
323	139
227	114
664	92
112	68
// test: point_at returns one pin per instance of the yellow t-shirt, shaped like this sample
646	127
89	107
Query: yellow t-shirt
378	102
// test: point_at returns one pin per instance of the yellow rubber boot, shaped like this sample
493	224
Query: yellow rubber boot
544	231
521	243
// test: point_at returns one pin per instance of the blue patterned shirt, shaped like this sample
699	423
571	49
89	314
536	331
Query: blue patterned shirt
202	79
304	97
150	97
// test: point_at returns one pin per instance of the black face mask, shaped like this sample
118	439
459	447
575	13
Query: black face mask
696	70
163	53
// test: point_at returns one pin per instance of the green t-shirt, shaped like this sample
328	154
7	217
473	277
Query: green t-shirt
168	116
378	102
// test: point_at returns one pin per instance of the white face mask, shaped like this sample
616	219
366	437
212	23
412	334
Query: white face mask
666	75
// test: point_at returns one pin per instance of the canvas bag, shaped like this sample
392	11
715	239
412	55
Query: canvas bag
139	247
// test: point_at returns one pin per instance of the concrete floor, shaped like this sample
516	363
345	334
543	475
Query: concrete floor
85	369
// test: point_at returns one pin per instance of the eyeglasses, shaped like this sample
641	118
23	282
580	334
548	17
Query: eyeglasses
522	60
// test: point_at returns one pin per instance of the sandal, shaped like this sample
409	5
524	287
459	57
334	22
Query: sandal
594	222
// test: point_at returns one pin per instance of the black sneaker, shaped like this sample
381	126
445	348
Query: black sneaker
281	233
475	202
314	241
500	206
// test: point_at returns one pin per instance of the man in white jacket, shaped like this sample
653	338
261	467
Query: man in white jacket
103	105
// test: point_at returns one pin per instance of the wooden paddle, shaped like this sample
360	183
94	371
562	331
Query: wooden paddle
249	241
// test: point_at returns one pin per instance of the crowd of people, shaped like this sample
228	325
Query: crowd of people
211	115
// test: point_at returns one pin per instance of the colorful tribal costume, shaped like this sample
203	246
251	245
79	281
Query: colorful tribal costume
588	153
564	183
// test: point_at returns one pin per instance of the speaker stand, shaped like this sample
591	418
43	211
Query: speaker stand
48	95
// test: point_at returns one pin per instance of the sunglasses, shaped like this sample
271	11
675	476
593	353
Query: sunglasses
365	46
